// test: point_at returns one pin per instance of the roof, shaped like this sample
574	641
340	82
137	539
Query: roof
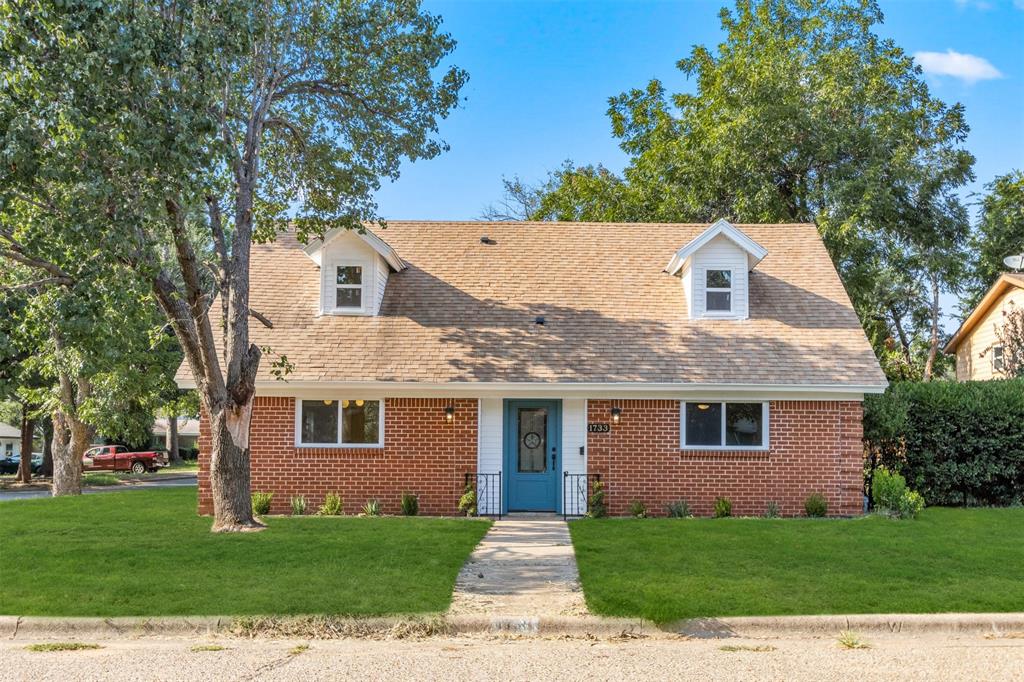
464	311
1005	282
315	247
8	431
755	252
186	426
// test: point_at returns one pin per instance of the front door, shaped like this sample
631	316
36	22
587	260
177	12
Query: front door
533	435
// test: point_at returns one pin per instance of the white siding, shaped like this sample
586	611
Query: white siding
719	254
380	283
489	435
14	445
348	249
574	437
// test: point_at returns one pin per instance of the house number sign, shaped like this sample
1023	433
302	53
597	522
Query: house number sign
599	428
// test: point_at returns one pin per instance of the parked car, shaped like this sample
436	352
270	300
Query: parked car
117	458
9	465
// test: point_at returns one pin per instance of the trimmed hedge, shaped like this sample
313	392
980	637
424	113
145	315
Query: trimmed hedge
956	443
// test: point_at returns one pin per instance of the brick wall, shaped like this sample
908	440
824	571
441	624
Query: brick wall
814	447
422	453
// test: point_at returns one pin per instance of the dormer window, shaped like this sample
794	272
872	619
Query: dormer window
349	291
719	291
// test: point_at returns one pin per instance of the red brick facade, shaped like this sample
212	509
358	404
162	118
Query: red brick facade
814	447
422	454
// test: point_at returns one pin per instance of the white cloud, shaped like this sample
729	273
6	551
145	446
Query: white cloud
967	67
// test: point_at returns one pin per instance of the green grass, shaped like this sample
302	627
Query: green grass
969	560
62	646
145	552
100	479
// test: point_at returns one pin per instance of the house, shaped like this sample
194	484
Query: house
979	355
188	433
674	361
10	440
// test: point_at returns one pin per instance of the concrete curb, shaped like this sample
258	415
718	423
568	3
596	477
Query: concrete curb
325	627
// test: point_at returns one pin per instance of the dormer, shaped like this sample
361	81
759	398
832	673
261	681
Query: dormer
714	269
354	270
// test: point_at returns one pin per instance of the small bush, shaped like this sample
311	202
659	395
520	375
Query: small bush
371	508
467	503
410	504
298	504
596	507
679	509
911	505
333	505
723	507
773	511
816	505
892	497
638	509
261	503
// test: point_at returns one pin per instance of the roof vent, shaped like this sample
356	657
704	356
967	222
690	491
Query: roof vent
539	320
487	240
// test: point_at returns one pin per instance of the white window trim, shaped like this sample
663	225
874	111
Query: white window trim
364	287
338	444
765	429
731	312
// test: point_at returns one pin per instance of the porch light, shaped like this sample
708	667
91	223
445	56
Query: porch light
702	406
616	413
328	402
449	414
344	403
360	403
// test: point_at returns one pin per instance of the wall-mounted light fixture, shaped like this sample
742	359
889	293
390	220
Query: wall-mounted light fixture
616	414
449	414
328	402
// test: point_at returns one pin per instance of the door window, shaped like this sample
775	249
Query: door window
533	426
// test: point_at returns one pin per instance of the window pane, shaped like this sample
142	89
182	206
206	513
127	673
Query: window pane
533	424
744	424
703	423
350	274
720	301
319	422
361	421
719	279
997	358
349	298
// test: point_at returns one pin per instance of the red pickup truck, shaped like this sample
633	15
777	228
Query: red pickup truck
117	458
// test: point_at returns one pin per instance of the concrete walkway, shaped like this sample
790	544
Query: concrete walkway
524	566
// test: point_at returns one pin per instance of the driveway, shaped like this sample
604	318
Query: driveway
156	481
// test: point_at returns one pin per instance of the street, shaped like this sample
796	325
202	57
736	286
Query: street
154	481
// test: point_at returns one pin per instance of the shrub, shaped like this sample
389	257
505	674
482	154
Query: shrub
723	507
261	503
956	443
333	505
679	509
638	509
596	507
467	503
410	504
773	511
816	505
371	508
892	497
298	503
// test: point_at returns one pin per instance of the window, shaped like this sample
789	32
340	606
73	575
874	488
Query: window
737	426
998	362
9	449
340	423
349	291
718	291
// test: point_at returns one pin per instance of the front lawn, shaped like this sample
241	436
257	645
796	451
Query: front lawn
146	552
664	569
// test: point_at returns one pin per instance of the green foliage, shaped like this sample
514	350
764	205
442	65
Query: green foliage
772	511
955	443
467	503
1010	335
410	504
371	508
261	503
638	509
61	646
597	508
333	505
298	504
100	479
723	507
680	509
1000	232
816	506
891	496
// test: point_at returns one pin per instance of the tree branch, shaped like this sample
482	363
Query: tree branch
262	318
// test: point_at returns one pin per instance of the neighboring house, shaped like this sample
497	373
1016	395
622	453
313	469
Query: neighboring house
979	355
188	433
675	361
10	440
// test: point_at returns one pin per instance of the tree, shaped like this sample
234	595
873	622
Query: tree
803	114
1010	333
1000	232
205	125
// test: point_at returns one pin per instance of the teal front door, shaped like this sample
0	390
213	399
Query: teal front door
533	436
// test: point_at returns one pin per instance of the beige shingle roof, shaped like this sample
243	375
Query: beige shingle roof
464	311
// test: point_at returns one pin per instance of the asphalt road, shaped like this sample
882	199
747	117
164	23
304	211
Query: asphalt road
155	481
817	659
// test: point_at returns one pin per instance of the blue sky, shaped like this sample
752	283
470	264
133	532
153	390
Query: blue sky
541	73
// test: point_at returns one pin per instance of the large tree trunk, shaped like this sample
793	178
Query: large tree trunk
172	439
229	470
28	427
70	440
933	348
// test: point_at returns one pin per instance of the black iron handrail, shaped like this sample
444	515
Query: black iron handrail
488	493
576	490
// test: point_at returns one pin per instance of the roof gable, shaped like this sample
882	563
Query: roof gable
755	252
316	247
1006	282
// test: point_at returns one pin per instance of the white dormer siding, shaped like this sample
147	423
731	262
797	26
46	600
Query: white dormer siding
354	268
